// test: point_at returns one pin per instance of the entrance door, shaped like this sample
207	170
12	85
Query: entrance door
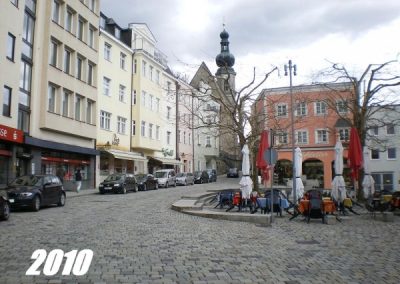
22	167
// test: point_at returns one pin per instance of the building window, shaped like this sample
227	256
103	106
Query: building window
391	153
321	136
78	107
341	106
390	129
106	86
157	132
134	97
91	36
184	137
68	20
65	103
158	77
122	60
121	124
135	66
143	98
103	22
56	12
151	130
67	61
89	111
144	68
143	129
168	112
344	134
281	138
208	141
383	181
51	105
81	28
92	5
374	130
302	137
121	94
151	73
105	120
179	137
27	35
90	74
281	110
169	137
7	101
133	127
320	108
117	33
30	4
158	105
53	53
79	67
107	51
25	80
23	118
374	154
10	46
301	109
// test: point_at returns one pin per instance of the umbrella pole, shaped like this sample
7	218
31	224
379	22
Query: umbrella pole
272	193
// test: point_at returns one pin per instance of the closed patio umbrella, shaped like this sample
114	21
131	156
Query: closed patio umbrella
338	185
368	183
246	184
298	159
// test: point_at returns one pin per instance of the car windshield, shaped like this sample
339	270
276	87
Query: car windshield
180	175
233	170
114	177
160	174
197	174
140	176
27	181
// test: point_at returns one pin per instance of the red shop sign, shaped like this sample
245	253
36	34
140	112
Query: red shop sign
11	134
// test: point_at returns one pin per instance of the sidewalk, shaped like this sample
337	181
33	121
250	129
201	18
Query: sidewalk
83	192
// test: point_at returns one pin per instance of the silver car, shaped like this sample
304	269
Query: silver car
184	179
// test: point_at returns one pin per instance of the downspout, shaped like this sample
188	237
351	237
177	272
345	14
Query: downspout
191	113
131	108
177	87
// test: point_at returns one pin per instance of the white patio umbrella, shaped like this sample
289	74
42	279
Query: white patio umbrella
368	181
338	185
246	184
298	160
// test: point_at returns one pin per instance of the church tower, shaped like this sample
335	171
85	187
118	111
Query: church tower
225	61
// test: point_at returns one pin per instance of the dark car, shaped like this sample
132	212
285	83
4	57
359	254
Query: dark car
146	181
4	208
212	175
232	172
201	177
35	191
119	183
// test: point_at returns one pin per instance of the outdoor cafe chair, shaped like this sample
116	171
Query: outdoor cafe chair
224	198
315	205
277	201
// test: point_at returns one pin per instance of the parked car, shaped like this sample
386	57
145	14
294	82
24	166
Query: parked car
118	183
212	175
146	181
184	178
35	191
4	207
166	177
232	172
201	177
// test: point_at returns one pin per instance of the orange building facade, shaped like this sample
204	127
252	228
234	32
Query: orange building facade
321	116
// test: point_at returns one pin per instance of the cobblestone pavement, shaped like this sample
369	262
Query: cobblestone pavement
137	238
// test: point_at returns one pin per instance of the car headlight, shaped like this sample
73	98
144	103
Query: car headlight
117	184
26	194
100	185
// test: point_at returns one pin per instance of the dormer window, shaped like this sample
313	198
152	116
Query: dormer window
118	33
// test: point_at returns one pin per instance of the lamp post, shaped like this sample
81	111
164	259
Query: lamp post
291	68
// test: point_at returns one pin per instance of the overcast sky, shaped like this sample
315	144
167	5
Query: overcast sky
266	33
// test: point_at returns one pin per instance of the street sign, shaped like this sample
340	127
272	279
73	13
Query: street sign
270	156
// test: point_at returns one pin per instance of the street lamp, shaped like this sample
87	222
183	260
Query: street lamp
292	70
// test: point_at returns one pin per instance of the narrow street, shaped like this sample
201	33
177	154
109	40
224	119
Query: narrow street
137	238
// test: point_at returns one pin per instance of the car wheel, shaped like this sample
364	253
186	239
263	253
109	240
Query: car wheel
6	212
135	188
166	185
185	183
36	203
123	190
144	187
61	201
156	186
201	181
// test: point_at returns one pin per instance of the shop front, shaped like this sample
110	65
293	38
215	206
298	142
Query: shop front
10	165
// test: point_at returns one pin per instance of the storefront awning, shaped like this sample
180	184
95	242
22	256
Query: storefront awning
126	155
167	161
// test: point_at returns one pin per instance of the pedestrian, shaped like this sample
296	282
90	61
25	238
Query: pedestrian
78	180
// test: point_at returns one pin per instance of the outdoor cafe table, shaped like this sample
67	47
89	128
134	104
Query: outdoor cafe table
263	201
328	206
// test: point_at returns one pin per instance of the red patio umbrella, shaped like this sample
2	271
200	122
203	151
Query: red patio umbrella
355	155
261	163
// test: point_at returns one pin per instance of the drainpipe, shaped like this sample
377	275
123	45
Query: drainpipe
177	87
131	108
